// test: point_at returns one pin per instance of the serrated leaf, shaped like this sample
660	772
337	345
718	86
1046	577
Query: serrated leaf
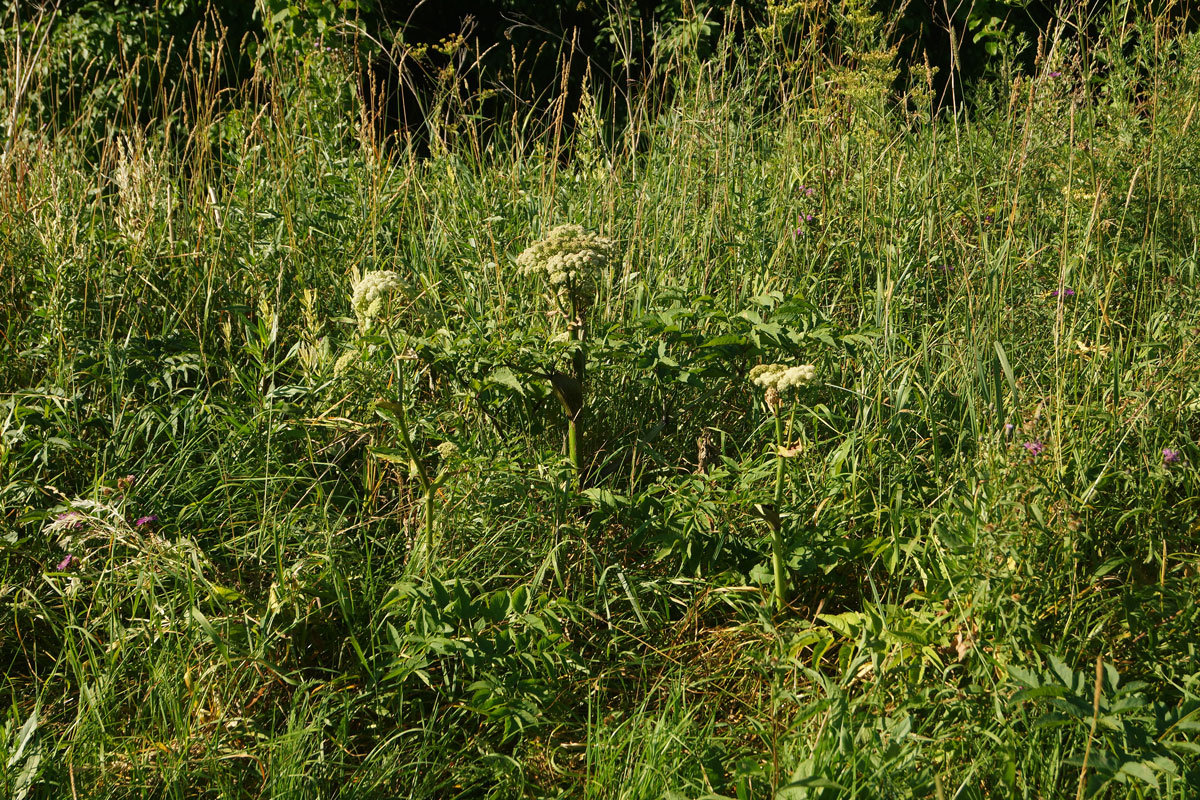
1040	691
1141	771
506	377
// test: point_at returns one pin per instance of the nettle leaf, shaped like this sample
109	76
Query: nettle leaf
1138	740
849	624
504	376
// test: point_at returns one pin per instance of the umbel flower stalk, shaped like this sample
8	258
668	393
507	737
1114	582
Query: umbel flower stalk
777	380
448	451
370	293
570	260
370	296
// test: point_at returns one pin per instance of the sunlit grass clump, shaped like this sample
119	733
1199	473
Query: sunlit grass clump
880	412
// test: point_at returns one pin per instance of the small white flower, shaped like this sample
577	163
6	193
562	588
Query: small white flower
344	361
781	377
369	293
448	451
566	257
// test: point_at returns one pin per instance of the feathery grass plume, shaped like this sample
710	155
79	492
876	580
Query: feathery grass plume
369	292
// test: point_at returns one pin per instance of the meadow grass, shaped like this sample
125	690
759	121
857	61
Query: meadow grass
989	502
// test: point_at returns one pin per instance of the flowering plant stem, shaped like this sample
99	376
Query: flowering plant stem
422	475
401	417
776	520
574	418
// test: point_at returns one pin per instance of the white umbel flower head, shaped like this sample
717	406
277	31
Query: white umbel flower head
369	293
565	257
448	451
781	377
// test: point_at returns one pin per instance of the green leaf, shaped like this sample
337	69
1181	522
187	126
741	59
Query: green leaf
605	499
27	731
796	790
211	632
848	624
388	410
395	455
1008	373
505	377
1039	691
1141	771
225	593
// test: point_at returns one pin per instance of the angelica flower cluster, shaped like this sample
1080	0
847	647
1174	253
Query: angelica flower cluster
566	256
369	293
781	377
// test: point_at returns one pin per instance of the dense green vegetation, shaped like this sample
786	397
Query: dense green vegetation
320	477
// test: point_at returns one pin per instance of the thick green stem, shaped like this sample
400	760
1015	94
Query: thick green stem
776	522
573	447
429	519
575	420
422	476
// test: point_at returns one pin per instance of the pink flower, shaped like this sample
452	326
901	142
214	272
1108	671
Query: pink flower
66	563
1034	448
803	219
141	521
1171	457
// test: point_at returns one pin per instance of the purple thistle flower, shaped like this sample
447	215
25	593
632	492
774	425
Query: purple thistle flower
1067	292
66	563
145	520
1171	457
1008	428
803	219
1034	448
1055	74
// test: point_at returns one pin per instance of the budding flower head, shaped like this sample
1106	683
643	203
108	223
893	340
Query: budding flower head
565	257
369	293
448	451
781	377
